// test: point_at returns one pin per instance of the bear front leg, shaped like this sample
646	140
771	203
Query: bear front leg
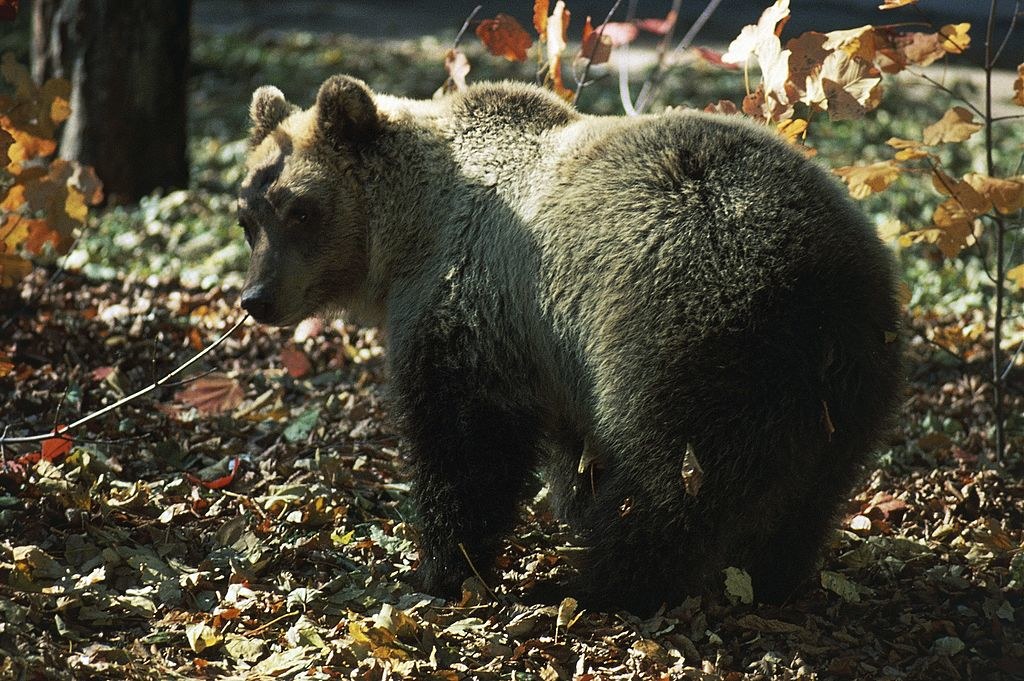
470	464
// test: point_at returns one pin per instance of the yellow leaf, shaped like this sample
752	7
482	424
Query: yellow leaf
792	129
1016	275
890	230
956	125
893	4
74	205
955	39
863	181
59	110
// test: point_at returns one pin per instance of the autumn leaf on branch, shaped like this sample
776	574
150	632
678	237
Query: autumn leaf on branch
863	181
893	4
504	37
956	125
596	46
555	37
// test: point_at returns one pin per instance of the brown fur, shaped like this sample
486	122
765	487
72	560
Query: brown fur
554	283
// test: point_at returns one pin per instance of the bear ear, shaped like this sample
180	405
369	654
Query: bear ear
267	110
346	112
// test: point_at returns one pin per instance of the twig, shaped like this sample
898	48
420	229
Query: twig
125	400
1013	360
1009	31
465	26
646	94
593	50
948	92
997	322
477	574
651	84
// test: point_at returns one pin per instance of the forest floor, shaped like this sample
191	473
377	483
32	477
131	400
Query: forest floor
253	522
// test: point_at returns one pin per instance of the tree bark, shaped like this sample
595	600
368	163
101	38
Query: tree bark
127	61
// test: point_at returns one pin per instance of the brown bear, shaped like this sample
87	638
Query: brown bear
561	289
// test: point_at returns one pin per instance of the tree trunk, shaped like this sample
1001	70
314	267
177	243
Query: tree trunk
127	61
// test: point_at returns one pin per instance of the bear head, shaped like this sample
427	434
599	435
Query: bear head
300	204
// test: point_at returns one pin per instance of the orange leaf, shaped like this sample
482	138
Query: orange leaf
213	394
597	51
5	366
792	128
866	180
221	482
956	125
296	362
56	447
504	37
893	4
540	17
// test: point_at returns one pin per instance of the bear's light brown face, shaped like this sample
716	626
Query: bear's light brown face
301	208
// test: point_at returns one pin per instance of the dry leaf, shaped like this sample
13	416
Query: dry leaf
295	362
596	49
540	17
504	37
792	128
213	394
955	38
956	125
893	4
1005	194
556	38
866	180
969	199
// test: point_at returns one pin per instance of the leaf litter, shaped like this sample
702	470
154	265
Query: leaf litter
269	534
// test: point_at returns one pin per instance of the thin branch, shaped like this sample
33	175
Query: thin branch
1007	118
1013	360
949	92
125	400
465	26
651	84
593	50
687	40
1009	31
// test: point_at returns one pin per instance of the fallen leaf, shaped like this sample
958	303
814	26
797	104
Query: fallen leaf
738	587
840	585
213	394
295	362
